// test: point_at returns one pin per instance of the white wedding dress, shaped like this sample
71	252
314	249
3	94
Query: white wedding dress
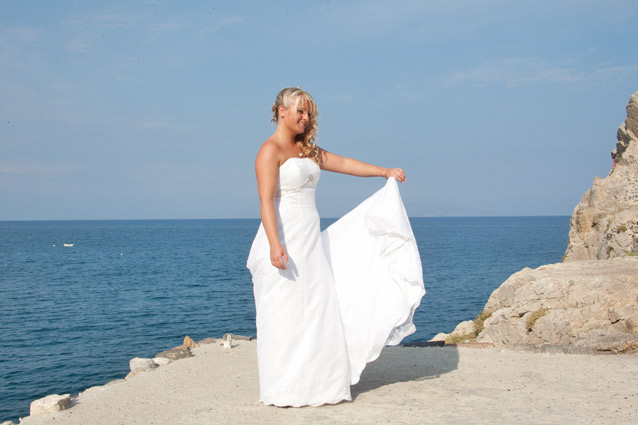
347	292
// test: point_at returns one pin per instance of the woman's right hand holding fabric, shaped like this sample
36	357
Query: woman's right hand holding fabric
397	173
278	257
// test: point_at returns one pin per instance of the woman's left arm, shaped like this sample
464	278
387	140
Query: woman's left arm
354	167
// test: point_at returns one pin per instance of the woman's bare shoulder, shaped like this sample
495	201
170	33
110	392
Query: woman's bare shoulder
270	151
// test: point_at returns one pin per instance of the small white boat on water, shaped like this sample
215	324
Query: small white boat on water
68	244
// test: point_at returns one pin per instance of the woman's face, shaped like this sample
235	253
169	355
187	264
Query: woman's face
297	118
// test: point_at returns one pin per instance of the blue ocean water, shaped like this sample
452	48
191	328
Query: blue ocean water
73	317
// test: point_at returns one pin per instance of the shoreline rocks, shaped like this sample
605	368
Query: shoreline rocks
50	404
56	403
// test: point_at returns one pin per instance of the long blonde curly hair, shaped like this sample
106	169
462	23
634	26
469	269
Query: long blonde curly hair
292	96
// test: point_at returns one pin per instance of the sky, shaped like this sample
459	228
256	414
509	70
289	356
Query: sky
156	109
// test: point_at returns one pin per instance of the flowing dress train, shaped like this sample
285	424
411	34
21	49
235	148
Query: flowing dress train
347	292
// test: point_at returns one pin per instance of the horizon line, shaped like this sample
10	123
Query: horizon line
257	218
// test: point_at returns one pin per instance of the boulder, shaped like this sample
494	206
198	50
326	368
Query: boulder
138	365
188	342
439	337
584	304
162	361
464	332
176	353
464	328
605	222
50	404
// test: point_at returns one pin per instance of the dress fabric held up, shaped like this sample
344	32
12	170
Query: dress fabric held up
347	292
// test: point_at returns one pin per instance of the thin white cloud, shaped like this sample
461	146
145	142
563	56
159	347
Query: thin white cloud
19	34
89	28
344	98
153	125
411	20
167	26
620	71
220	24
516	72
17	46
80	43
33	168
114	20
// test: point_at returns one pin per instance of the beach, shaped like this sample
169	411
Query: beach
77	315
420	385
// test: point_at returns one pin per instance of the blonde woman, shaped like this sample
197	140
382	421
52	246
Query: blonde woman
308	284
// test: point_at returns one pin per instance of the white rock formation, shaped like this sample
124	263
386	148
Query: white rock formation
138	365
605	223
50	404
585	304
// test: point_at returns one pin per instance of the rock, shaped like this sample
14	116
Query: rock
238	337
138	365
188	342
162	361
464	332
590	304
176	353
7	423
463	328
227	342
207	341
439	337
50	404
605	223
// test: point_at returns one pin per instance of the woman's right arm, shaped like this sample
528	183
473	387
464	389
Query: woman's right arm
267	170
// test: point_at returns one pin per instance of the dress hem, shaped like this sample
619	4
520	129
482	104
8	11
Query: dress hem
299	405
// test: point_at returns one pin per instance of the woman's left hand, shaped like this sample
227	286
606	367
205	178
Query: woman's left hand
397	173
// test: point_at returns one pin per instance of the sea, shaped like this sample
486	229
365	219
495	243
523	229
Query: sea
79	299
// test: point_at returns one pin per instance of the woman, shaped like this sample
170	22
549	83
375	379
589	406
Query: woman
326	302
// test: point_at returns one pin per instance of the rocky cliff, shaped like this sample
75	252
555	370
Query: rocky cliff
605	223
582	303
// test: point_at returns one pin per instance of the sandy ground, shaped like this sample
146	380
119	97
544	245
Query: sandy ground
404	386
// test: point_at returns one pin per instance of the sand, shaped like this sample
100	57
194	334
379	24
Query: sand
445	385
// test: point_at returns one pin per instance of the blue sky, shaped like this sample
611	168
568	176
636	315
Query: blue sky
156	109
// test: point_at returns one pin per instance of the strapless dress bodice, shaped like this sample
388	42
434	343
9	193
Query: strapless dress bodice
298	178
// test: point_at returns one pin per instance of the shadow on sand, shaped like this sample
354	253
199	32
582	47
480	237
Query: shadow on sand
403	364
